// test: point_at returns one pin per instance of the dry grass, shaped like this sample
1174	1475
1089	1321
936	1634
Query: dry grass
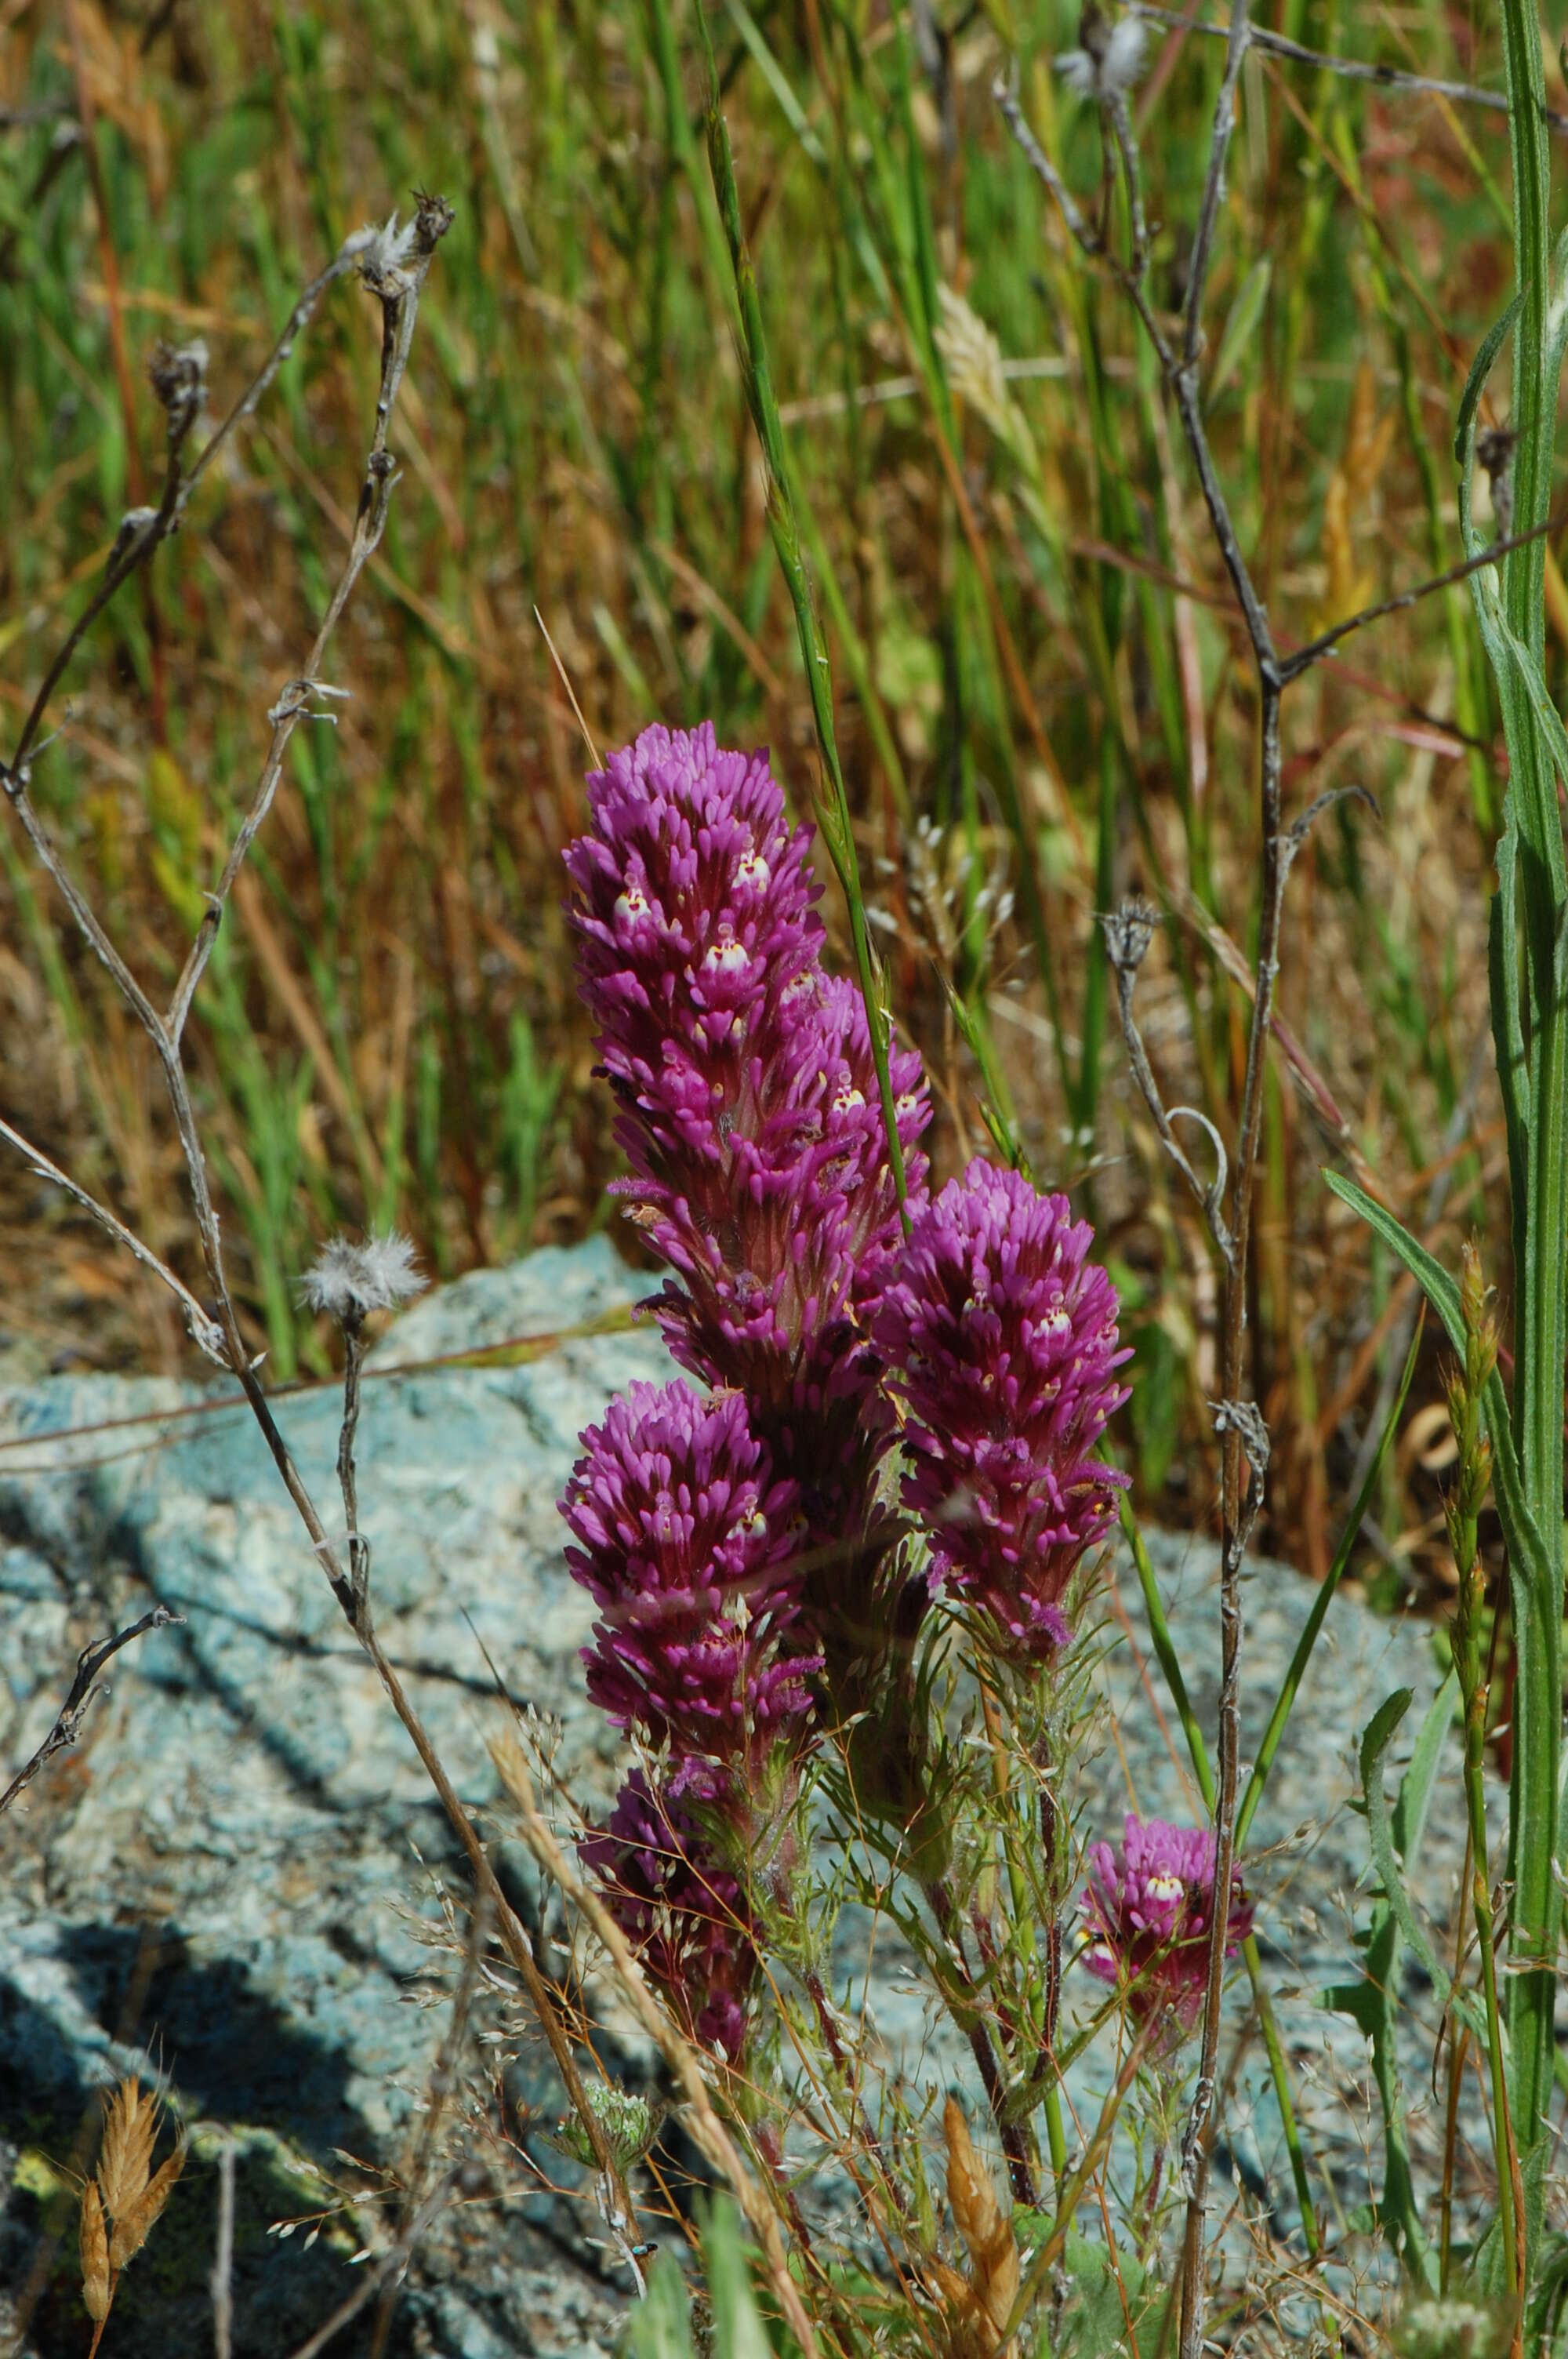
1036	658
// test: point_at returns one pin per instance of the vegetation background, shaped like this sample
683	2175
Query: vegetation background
1044	697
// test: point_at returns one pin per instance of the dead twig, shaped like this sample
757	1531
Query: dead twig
69	1718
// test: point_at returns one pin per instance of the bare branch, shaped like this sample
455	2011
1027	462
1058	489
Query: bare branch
73	1711
1302	659
1462	93
396	274
200	1326
1128	932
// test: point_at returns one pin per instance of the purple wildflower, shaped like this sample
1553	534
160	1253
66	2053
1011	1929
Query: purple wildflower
684	1540
1000	1338
750	1111
683	1913
692	905
1149	1904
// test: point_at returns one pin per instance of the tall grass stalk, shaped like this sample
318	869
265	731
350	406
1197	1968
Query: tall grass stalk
1530	1026
833	805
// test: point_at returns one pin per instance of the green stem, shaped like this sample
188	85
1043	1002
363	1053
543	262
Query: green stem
1539	1259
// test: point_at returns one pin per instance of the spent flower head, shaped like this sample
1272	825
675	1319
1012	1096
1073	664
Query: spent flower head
1109	58
1149	1904
347	1282
999	1335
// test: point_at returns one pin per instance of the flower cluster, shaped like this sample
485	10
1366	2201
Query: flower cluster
1150	1903
747	1567
1001	1338
749	1113
685	1543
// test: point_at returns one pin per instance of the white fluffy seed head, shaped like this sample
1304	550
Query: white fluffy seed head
348	1280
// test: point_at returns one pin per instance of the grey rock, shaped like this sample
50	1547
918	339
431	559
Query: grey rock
236	1878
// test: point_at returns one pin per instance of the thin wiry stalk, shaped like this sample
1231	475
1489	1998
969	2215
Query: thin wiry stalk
1538	1263
1244	1438
68	1720
397	281
1279	45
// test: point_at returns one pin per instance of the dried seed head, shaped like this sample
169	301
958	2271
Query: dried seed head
347	1280
985	2226
125	2159
1128	929
1108	60
133	2226
94	2256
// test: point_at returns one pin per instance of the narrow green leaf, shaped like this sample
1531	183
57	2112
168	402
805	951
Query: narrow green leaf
738	2330
1245	313
1518	1525
1481	367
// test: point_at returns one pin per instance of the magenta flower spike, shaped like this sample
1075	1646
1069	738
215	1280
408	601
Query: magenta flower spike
749	1109
686	1541
692	905
1149	1903
683	1913
1001	1339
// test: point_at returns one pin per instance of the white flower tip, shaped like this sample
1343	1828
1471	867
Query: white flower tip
348	1280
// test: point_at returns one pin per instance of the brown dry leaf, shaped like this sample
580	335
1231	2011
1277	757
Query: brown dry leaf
985	2227
95	2256
1367	437
112	72
127	2155
1351	491
132	2227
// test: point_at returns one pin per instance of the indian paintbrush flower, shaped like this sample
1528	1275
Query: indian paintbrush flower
1001	1339
749	1108
750	1118
1149	1903
684	1540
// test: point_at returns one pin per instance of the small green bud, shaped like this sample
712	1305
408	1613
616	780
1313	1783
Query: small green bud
630	2123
